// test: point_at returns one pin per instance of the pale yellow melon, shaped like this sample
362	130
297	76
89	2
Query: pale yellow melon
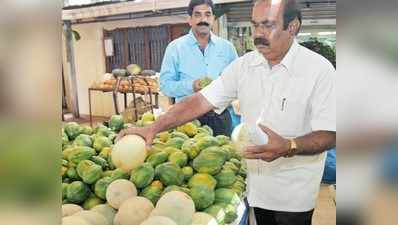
158	220
201	218
134	211
74	220
129	152
119	191
176	205
70	209
107	211
92	217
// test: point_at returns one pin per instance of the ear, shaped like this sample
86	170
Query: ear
189	20
293	27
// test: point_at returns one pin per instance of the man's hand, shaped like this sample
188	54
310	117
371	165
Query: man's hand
196	86
276	147
147	133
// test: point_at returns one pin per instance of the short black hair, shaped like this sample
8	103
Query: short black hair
194	3
292	11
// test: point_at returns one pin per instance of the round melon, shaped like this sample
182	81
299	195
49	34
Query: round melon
176	205
158	220
246	134
240	137
74	220
201	218
119	191
92	217
70	209
134	211
107	211
129	152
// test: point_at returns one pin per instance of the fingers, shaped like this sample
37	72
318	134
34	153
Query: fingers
266	156
148	142
256	149
121	134
196	85
269	159
253	152
148	147
263	152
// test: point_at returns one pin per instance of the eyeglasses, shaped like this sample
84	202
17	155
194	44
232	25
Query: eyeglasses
264	26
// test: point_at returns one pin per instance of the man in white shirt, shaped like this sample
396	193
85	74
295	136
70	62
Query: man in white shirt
289	90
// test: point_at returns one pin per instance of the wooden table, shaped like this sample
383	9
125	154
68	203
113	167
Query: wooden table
155	93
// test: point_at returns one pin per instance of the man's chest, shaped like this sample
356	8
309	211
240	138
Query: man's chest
276	99
192	62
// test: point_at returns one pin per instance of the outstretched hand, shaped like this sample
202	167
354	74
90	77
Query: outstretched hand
145	132
276	147
196	86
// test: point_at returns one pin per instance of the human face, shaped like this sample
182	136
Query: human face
202	19
269	37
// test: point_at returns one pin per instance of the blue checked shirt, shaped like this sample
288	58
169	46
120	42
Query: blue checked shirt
184	62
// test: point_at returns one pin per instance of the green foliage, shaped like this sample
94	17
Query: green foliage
321	48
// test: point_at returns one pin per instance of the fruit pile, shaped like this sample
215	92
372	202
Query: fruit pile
187	177
140	85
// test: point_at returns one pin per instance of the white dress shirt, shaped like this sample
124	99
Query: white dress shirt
293	98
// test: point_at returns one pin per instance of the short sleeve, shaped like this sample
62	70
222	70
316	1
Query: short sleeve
323	102
222	91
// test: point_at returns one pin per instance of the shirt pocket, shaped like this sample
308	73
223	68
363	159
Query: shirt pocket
222	58
188	71
288	112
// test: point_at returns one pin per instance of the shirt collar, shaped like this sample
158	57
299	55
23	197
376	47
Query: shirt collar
287	61
193	41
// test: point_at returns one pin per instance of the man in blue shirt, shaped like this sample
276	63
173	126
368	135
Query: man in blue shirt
195	56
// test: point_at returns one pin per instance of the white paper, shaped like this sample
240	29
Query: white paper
108	43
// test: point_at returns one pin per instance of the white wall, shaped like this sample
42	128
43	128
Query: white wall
90	60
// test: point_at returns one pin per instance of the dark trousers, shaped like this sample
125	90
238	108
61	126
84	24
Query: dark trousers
269	217
221	124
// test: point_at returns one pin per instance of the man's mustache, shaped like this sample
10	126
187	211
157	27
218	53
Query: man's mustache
203	24
261	41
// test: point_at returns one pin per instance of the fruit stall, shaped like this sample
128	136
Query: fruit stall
187	177
132	80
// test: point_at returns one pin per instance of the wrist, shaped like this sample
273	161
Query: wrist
287	147
292	148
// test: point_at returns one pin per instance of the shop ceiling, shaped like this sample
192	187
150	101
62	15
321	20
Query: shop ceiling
129	8
315	12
